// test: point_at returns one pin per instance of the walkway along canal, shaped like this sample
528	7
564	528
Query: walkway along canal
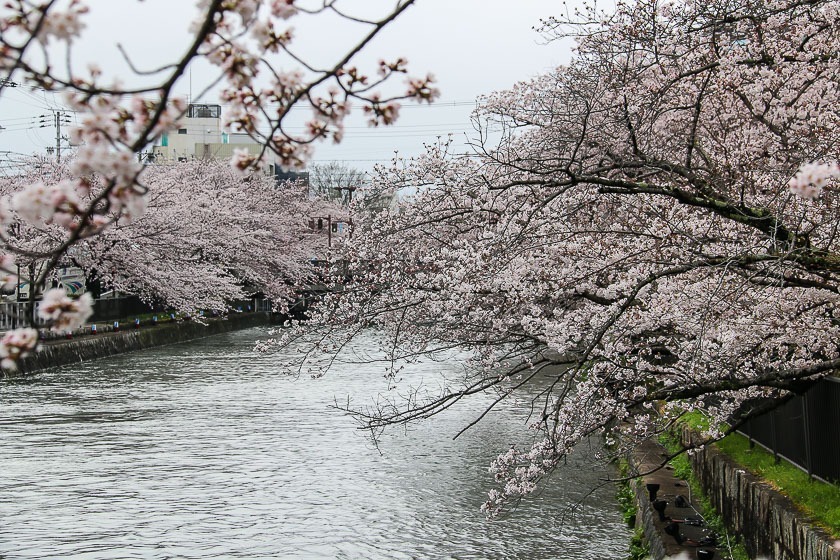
209	450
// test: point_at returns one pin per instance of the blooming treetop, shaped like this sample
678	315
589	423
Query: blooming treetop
249	42
644	218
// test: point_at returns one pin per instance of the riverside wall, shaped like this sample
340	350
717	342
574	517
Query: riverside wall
91	347
768	522
647	458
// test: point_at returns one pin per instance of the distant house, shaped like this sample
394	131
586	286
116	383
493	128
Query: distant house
199	135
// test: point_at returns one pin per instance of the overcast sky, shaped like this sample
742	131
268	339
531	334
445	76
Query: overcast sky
473	47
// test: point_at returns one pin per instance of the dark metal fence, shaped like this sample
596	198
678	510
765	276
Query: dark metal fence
805	430
15	314
110	309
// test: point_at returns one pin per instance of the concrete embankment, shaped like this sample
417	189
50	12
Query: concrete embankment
768	522
91	347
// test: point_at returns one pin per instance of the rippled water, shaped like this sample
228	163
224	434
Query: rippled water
206	450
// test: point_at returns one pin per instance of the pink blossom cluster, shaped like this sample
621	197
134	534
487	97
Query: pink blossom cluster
328	116
382	113
811	178
39	204
63	312
15	345
421	89
518	474
61	25
283	9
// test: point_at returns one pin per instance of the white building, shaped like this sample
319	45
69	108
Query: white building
200	136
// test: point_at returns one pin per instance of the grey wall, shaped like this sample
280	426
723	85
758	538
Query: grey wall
107	344
768	521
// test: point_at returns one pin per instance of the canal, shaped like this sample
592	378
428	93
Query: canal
210	450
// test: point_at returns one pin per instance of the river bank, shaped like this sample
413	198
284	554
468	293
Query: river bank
767	522
95	344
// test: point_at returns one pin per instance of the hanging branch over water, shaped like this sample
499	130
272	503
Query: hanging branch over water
661	216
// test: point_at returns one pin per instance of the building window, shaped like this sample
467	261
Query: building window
182	131
196	111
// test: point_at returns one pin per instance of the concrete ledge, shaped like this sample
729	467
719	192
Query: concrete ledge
768	522
91	347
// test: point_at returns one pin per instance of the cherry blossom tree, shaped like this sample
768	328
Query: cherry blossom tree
261	75
207	237
653	227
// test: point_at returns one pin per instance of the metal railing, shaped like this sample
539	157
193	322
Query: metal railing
13	314
805	430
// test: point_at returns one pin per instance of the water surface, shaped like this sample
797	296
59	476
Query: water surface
209	450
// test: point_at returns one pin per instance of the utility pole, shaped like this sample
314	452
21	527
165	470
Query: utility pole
58	135
58	118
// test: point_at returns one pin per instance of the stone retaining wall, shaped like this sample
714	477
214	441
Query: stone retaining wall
108	344
648	458
766	520
646	519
